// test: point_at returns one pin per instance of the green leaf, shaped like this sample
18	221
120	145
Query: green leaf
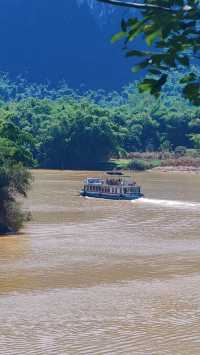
147	84
140	66
135	53
152	85
150	38
118	36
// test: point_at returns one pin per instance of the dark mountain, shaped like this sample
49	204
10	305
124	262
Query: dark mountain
66	39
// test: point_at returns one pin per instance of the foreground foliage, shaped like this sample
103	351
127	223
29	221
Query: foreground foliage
15	179
171	31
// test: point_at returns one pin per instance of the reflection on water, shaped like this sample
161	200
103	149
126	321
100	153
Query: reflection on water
92	276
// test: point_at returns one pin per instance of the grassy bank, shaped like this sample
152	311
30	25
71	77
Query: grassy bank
165	161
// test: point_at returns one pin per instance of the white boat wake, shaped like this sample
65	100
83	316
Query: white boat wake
168	203
163	203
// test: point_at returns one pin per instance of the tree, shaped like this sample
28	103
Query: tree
16	144
14	180
79	134
171	30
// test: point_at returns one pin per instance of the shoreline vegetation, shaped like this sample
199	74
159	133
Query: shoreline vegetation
62	128
182	160
15	181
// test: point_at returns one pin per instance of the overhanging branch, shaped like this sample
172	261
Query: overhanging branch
134	5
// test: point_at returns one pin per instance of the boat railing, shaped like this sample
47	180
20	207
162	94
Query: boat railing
110	182
120	182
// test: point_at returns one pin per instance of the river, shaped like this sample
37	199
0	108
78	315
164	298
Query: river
91	276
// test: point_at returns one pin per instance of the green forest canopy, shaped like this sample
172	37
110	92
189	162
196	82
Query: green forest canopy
62	128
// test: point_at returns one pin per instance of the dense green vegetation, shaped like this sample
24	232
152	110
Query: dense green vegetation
14	181
14	177
15	155
62	128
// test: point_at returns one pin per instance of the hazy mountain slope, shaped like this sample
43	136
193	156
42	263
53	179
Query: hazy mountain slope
54	40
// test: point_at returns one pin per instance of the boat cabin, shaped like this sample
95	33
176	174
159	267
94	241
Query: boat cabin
111	187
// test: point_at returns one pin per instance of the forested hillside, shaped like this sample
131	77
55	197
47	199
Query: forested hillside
63	128
55	40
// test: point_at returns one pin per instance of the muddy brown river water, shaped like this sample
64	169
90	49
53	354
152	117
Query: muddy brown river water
91	276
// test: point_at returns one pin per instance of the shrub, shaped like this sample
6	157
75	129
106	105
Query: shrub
139	165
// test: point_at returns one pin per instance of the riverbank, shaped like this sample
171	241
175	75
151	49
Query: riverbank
177	169
164	162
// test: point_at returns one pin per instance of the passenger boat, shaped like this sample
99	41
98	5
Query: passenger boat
111	188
